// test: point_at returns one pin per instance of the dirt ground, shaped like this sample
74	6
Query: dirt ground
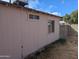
62	51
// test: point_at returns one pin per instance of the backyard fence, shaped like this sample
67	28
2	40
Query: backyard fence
68	30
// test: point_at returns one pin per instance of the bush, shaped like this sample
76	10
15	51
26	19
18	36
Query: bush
60	40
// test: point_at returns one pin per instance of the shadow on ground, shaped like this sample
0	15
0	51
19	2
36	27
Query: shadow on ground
59	50
69	50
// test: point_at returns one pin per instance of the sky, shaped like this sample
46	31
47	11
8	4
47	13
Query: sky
56	7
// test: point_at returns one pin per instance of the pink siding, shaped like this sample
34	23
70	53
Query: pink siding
17	29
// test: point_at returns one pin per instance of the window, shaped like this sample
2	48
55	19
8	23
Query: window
50	26
33	16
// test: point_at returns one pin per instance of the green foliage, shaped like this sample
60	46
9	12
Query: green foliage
66	18
61	41
72	18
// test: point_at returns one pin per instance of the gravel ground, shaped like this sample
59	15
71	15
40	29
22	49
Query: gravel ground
62	51
69	50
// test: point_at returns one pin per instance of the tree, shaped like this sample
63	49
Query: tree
72	18
66	18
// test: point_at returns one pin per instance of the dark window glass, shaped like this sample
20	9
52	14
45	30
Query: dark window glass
51	26
33	16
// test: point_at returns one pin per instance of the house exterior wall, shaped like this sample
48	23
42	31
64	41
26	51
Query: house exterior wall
16	29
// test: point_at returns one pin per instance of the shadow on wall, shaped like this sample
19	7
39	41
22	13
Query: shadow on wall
68	30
